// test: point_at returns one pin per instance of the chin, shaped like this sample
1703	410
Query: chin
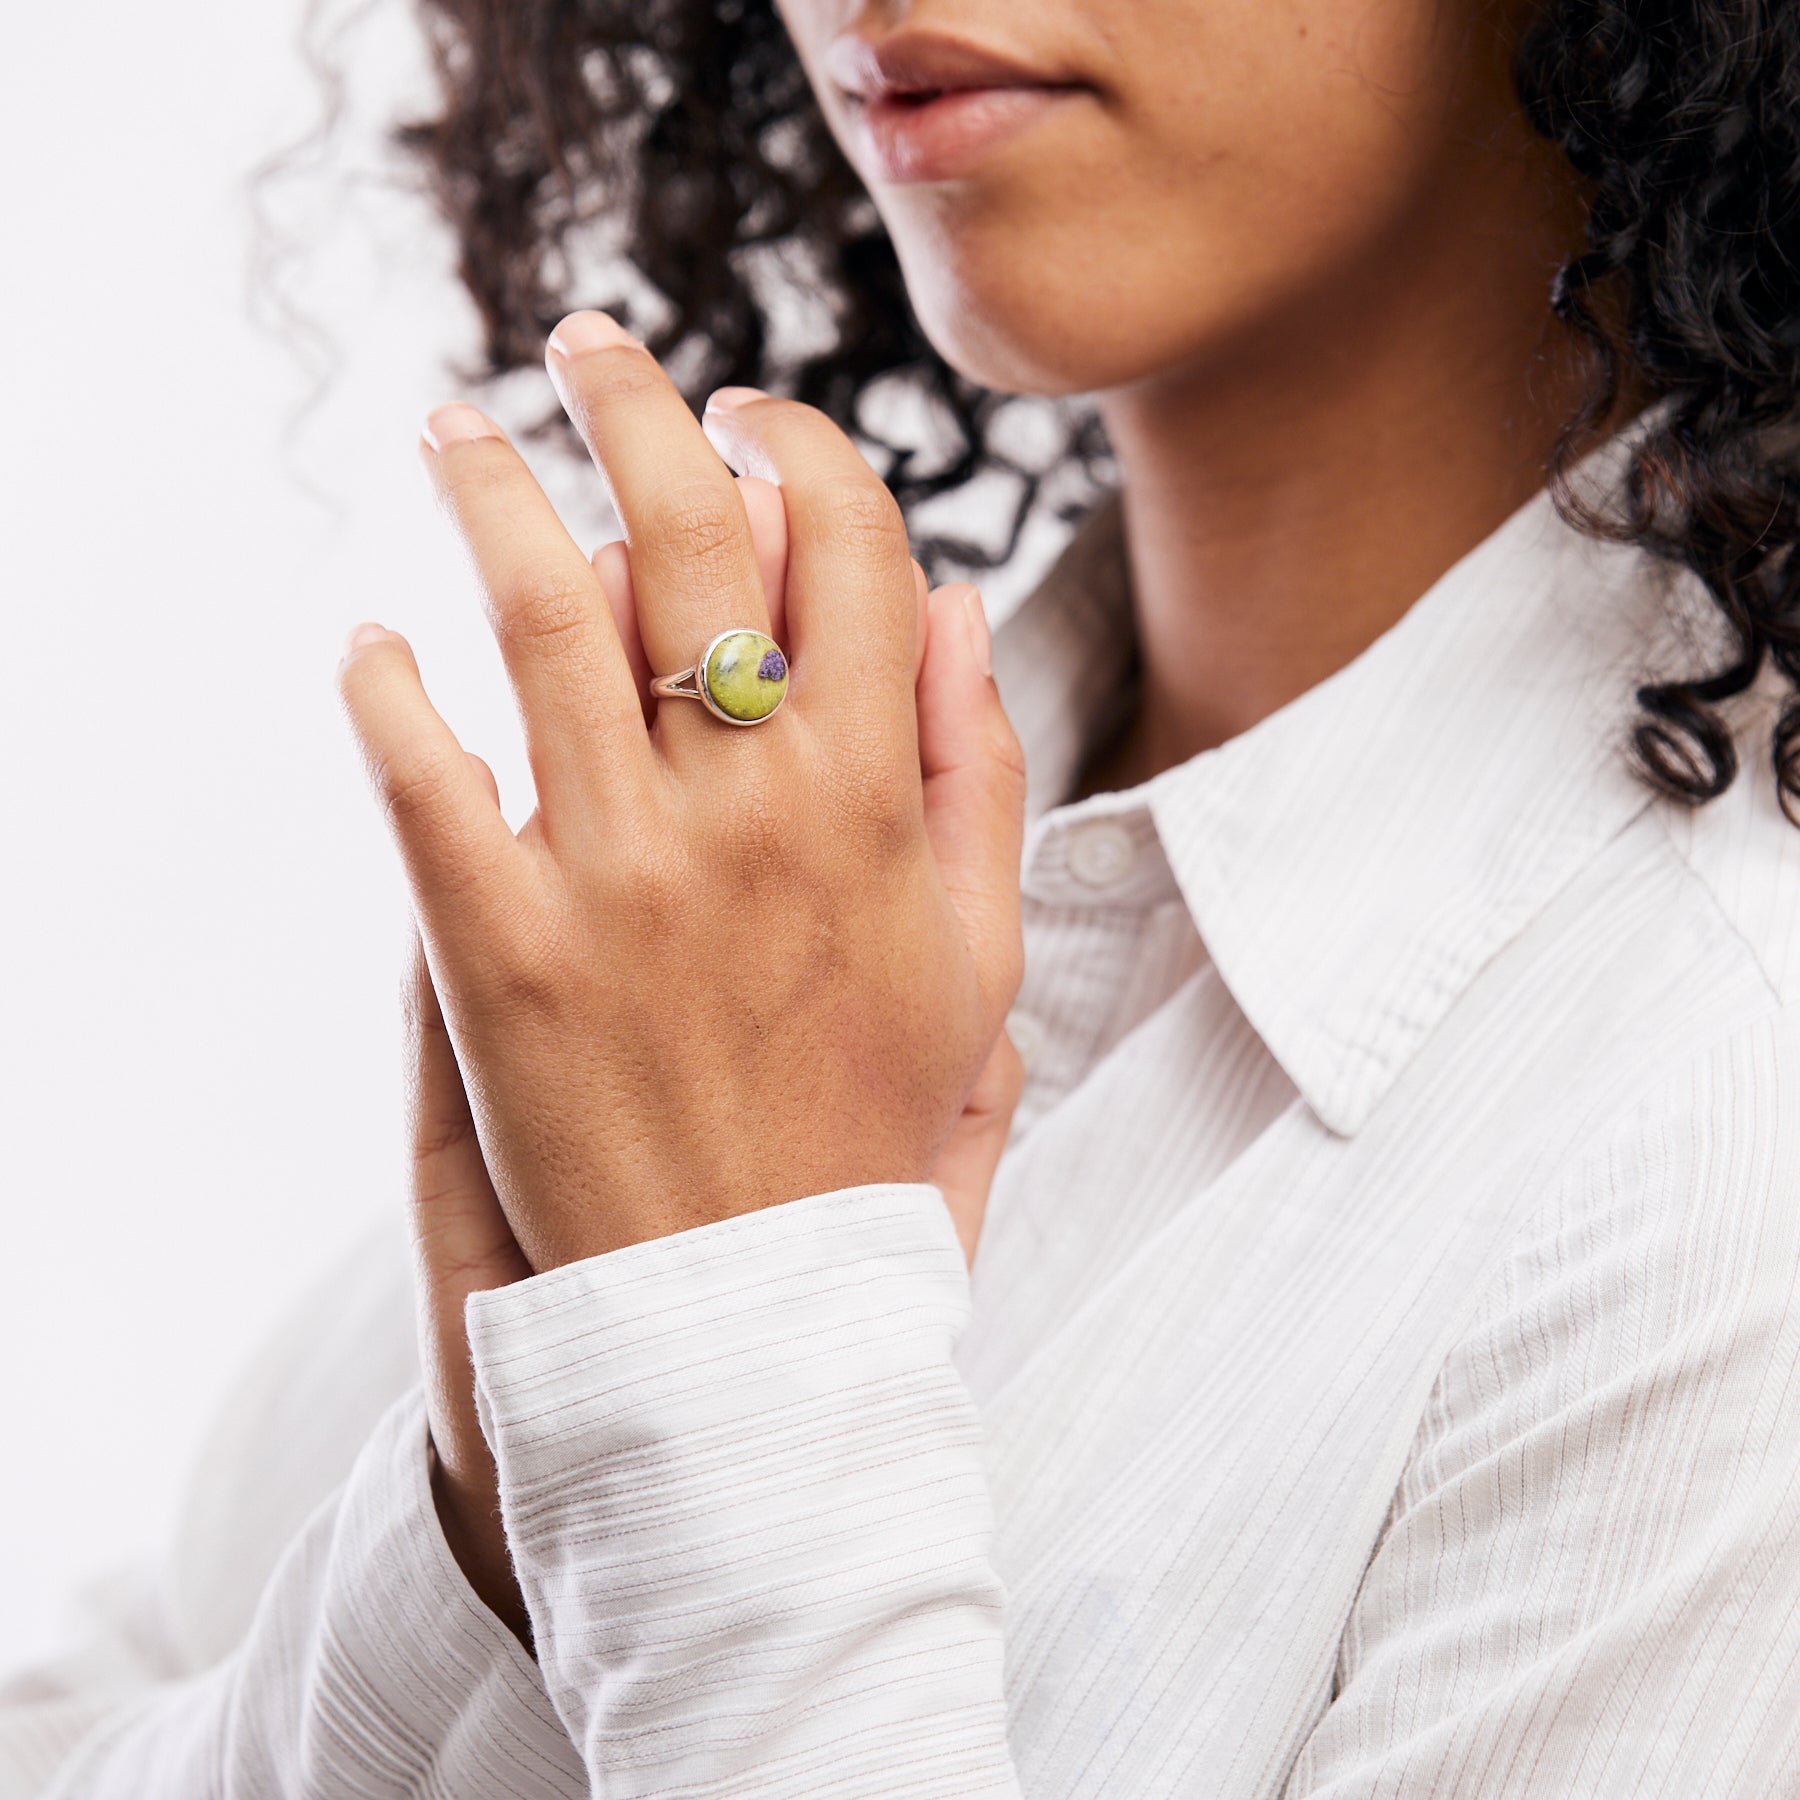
1000	351
991	313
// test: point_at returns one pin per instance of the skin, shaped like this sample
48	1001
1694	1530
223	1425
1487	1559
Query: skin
1299	252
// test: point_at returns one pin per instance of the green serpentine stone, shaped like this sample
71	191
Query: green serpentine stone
746	675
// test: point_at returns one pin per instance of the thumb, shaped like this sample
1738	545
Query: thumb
974	787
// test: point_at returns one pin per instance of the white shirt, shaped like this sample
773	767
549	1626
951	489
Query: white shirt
1380	1375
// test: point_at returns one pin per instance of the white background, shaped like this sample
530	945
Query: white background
201	927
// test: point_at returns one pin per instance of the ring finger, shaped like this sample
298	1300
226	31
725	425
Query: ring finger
767	512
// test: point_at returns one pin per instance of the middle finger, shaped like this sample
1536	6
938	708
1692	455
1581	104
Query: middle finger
694	570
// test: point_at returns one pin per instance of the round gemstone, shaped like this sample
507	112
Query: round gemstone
746	675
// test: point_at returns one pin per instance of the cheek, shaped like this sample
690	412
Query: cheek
1255	154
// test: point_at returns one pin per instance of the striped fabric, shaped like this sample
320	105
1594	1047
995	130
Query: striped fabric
1380	1375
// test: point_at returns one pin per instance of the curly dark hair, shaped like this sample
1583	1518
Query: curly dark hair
683	136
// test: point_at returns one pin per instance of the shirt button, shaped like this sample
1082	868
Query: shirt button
1101	853
1027	1033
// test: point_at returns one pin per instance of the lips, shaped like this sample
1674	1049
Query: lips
927	107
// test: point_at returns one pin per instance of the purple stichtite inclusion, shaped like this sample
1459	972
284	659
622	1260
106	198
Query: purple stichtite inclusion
773	666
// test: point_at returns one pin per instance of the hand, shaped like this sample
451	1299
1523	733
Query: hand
463	1244
719	968
964	1170
462	1239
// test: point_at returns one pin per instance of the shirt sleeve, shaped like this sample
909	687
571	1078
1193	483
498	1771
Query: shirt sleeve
370	1672
743	1485
1589	1582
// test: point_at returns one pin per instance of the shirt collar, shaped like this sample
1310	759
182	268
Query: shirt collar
1356	857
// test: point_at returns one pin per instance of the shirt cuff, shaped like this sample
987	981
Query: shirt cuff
743	1487
415	1680
370	1668
411	1624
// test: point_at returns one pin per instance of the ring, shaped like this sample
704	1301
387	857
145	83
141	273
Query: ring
741	677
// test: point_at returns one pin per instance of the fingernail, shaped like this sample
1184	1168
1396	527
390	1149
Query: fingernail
584	331
458	424
980	641
728	399
364	634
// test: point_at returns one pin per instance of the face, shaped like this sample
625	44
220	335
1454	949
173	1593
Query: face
1083	193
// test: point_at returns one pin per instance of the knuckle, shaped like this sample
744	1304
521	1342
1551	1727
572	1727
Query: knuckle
544	611
861	513
697	523
618	375
414	787
436	1138
654	888
762	847
471	471
879	819
419	1017
524	979
362	678
634	883
460	868
869	761
457	1251
452	1265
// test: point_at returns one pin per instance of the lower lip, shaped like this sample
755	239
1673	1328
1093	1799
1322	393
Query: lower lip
938	140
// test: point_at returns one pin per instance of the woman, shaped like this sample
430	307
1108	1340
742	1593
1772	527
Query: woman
1381	1368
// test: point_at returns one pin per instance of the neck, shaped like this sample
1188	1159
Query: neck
1284	505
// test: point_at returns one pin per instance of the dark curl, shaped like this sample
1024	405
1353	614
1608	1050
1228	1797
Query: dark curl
682	139
1684	115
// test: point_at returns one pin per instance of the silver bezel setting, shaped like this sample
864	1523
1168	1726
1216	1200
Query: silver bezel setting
704	694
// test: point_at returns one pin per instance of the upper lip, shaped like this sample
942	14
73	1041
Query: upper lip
920	62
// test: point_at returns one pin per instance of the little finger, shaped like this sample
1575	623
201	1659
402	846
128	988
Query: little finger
462	861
